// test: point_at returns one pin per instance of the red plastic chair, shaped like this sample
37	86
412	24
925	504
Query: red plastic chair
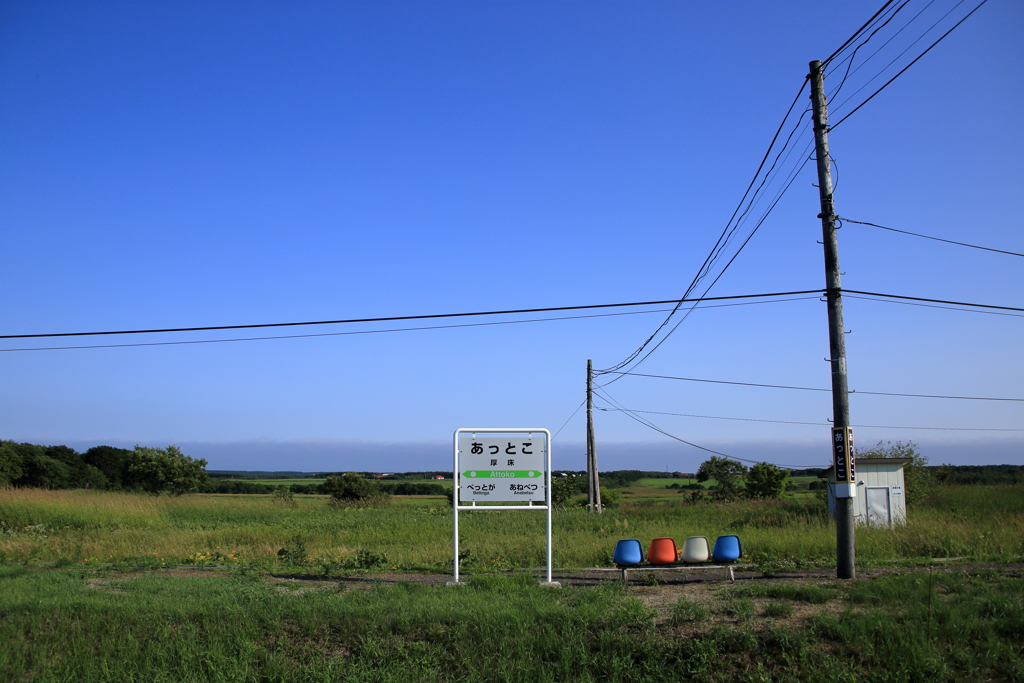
662	551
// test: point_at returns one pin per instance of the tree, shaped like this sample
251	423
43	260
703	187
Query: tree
81	475
727	473
12	463
352	489
917	478
112	462
766	480
158	470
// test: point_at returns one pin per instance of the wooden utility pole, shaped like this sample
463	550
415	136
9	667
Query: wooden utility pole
845	550
593	479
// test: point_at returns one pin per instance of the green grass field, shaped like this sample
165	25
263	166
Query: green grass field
84	595
415	532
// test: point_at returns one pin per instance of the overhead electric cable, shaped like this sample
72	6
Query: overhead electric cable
853	55
567	421
817	424
727	232
928	237
781	386
651	425
406	317
932	301
714	417
686	315
895	59
420	329
856	34
835	92
945	308
903	70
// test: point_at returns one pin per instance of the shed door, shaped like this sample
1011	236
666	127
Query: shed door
879	513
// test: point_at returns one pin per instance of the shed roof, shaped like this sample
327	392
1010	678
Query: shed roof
884	461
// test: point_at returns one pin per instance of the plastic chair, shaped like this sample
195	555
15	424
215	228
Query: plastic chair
628	552
696	549
727	549
662	551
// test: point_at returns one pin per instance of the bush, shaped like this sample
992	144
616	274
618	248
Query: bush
413	488
565	489
352	489
284	497
293	554
610	498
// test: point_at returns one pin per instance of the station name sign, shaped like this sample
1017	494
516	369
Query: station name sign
844	461
502	469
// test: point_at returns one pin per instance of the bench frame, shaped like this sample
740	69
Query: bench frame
674	567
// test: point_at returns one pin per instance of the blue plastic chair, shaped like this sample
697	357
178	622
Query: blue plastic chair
628	552
727	549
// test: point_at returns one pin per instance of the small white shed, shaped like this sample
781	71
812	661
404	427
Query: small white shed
881	499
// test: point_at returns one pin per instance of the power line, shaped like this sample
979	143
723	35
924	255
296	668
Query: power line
719	381
932	301
738	217
406	317
870	97
567	421
781	386
778	197
651	425
844	291
897	57
714	417
728	231
928	237
817	424
399	329
853	55
849	73
695	301
947	308
332	334
856	34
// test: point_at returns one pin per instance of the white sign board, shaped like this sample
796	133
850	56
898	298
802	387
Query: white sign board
507	469
502	466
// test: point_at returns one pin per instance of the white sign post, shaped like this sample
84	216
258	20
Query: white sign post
502	466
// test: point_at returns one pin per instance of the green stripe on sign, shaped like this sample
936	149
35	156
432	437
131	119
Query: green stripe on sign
504	474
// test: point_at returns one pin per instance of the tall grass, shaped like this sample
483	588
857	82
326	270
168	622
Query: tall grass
975	522
79	625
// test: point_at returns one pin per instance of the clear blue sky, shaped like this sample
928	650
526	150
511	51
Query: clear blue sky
193	164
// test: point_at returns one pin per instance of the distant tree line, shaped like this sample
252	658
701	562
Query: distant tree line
231	474
978	474
157	470
153	470
625	478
